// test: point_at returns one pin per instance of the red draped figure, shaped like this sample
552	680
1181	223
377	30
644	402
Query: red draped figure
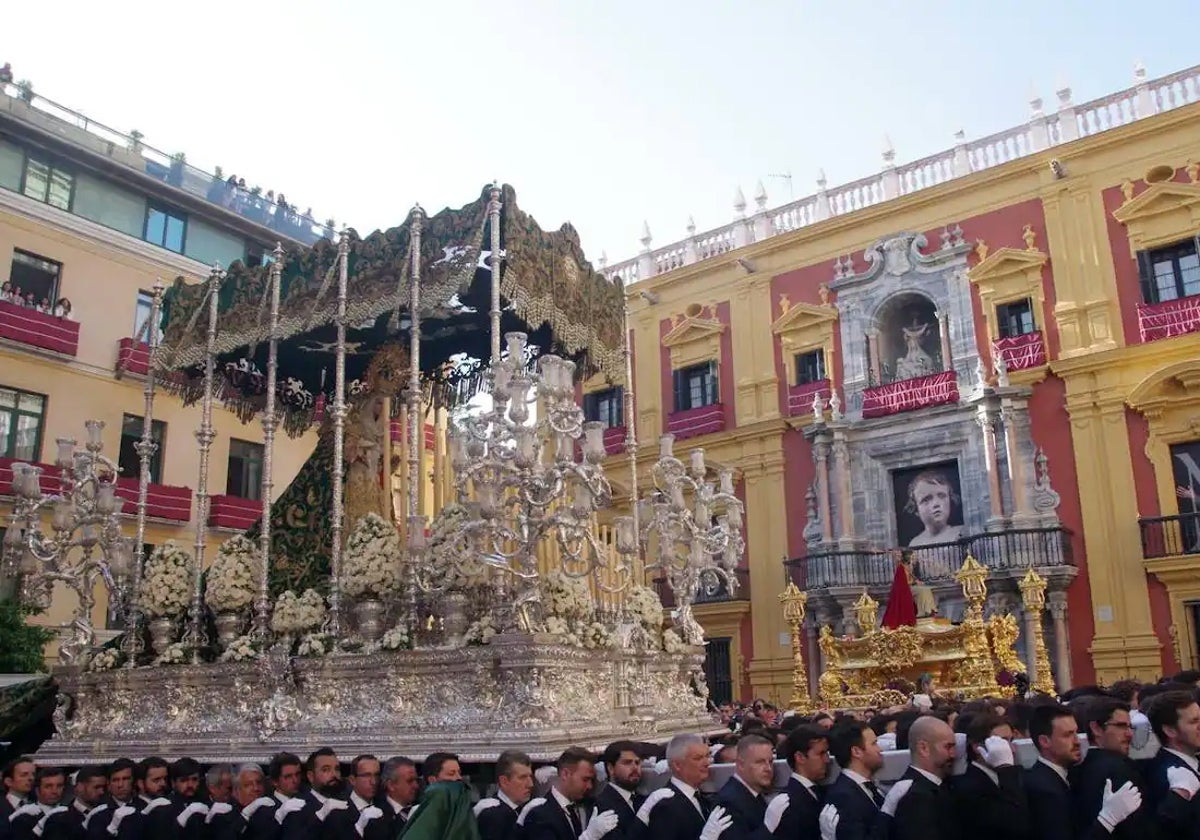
901	606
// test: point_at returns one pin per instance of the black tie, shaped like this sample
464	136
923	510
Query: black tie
875	794
576	822
636	801
705	805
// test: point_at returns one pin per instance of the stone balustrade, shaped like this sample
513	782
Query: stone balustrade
1043	130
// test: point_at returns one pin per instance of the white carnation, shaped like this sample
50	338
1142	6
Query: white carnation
175	654
672	643
241	649
106	660
166	581
480	632
297	613
395	639
231	580
644	605
371	565
314	644
566	597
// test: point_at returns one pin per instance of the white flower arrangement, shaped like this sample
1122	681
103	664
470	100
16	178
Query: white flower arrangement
646	608
395	639
451	568
371	565
230	583
596	636
107	659
175	654
166	581
314	644
672	643
241	649
296	613
567	597
480	632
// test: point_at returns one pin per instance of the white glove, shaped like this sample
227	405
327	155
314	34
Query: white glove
99	809
29	810
776	808
369	813
717	822
483	804
529	806
898	792
41	826
1118	806
330	806
216	809
156	803
653	799
828	820
290	807
1183	780
261	802
996	752
190	811
600	825
114	825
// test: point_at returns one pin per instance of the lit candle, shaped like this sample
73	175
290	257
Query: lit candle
66	452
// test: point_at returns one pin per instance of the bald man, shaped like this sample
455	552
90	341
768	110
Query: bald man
920	804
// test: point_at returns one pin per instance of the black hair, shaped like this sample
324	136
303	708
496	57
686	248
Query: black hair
281	760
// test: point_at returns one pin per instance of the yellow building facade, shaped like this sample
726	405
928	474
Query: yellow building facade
88	221
1019	316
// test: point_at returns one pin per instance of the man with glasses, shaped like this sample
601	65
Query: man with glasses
1102	782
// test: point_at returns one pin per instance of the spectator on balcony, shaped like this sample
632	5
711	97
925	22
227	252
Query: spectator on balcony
6	293
63	308
30	301
44	306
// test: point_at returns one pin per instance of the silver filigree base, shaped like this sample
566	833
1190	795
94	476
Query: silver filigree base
524	692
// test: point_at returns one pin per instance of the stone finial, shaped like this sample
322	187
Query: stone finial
1000	366
889	151
981	249
1035	106
1193	171
1127	189
960	137
1064	94
835	405
784	304
818	408
823	293
739	204
1045	497
1139	72
822	181
1030	238
812	523
760	198
691	226
981	374
646	238
603	262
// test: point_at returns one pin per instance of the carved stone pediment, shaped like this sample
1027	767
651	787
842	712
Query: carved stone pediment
801	319
693	340
1163	213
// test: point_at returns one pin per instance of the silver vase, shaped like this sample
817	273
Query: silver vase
229	626
454	620
162	633
368	617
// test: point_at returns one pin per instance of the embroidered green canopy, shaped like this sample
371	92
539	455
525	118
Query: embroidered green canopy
548	290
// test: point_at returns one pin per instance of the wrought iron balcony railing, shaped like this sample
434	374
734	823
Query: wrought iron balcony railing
1170	536
1003	551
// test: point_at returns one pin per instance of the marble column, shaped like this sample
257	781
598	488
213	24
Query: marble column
1016	463
821	457
1033	666
873	357
1056	603
944	332
987	424
841	464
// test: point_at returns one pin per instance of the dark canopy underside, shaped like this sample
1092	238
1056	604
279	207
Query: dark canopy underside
548	290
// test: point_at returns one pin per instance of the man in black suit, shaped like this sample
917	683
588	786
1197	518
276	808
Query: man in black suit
853	801
743	795
678	811
990	797
301	816
795	813
1055	734
120	782
561	816
401	787
496	817
70	822
252	814
18	777
342	824
1175	771
1102	785
920	804
286	775
152	777
623	768
184	813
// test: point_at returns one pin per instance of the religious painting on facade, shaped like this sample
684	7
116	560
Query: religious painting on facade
928	502
1185	468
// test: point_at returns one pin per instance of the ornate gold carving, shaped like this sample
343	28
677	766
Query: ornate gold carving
1004	632
794	602
866	610
1033	593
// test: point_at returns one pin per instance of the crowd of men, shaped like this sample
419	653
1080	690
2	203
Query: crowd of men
963	782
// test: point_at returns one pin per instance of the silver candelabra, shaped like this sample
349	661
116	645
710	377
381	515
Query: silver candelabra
689	530
523	486
83	543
